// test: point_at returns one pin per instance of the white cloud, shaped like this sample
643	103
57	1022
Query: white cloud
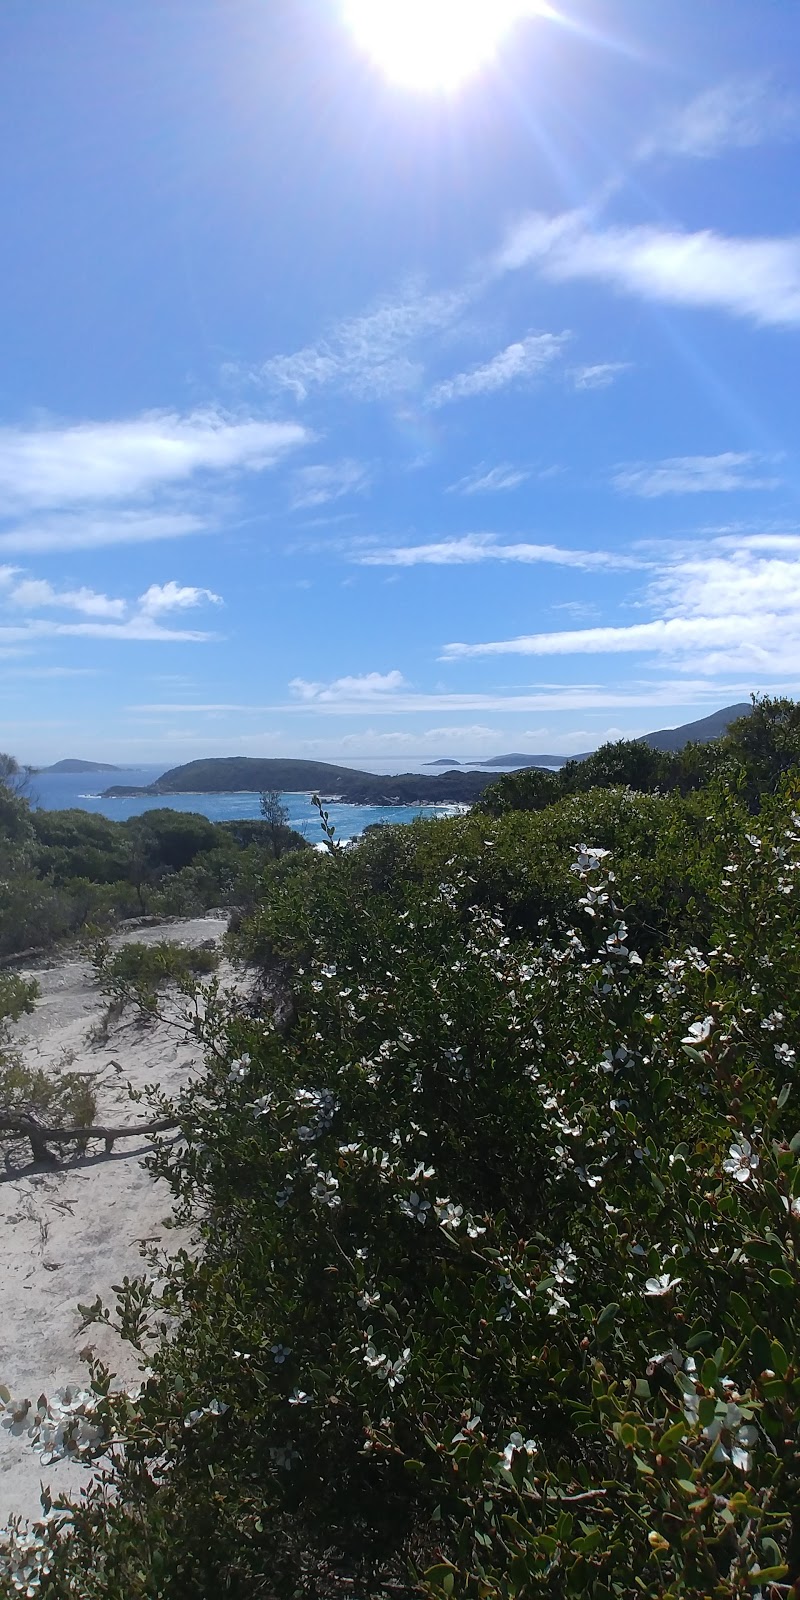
320	699
369	687
754	278
728	609
317	485
49	466
601	375
140	628
737	115
518	363
163	597
370	356
75	532
693	475
32	594
109	618
490	480
474	548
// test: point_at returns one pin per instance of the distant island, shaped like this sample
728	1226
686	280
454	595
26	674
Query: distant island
444	761
517	760
71	765
250	775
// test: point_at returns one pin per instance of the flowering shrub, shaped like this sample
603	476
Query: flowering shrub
498	1287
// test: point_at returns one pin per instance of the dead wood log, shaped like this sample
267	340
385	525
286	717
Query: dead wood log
28	1126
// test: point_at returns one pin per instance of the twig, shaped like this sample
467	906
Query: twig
29	1127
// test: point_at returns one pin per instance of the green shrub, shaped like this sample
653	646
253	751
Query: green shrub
498	1287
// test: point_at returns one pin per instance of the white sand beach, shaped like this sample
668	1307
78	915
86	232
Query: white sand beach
71	1231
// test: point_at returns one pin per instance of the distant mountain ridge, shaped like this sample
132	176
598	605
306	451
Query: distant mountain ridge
703	731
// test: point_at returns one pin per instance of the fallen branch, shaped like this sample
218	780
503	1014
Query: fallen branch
28	1126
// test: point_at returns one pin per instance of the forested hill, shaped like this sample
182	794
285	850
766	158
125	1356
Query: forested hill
245	774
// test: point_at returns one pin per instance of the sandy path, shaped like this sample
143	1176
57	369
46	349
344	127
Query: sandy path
68	1233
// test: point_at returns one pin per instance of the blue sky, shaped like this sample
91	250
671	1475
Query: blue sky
340	417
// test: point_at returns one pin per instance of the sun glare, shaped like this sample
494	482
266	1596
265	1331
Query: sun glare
433	44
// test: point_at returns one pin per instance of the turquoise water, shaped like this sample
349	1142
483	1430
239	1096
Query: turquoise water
62	791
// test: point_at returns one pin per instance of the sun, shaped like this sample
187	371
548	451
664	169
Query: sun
433	44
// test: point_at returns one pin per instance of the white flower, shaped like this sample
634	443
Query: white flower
661	1285
563	1268
283	1196
395	1370
742	1161
515	1443
279	1353
698	1032
449	1215
283	1456
324	1190
261	1107
239	1069
415	1206
298	1397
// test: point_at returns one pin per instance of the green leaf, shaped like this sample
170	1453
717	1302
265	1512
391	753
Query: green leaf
781	1278
673	1438
764	1250
707	1410
778	1358
605	1322
761	1347
698	1340
784	1095
438	1575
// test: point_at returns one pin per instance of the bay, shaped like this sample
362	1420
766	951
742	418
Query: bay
60	791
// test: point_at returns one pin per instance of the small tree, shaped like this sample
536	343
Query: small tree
276	816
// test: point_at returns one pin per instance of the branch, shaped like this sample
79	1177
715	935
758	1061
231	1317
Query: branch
28	1126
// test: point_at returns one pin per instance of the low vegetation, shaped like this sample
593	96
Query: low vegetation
498	1288
68	872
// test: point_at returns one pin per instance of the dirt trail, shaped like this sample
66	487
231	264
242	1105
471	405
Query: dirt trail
68	1233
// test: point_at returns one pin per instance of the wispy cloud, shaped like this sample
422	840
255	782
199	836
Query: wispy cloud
53	467
370	356
317	485
518	363
328	699
720	474
490	480
736	115
475	548
730	609
36	594
370	686
118	527
754	278
601	375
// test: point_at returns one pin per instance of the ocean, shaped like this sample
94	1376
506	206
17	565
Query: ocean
60	791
